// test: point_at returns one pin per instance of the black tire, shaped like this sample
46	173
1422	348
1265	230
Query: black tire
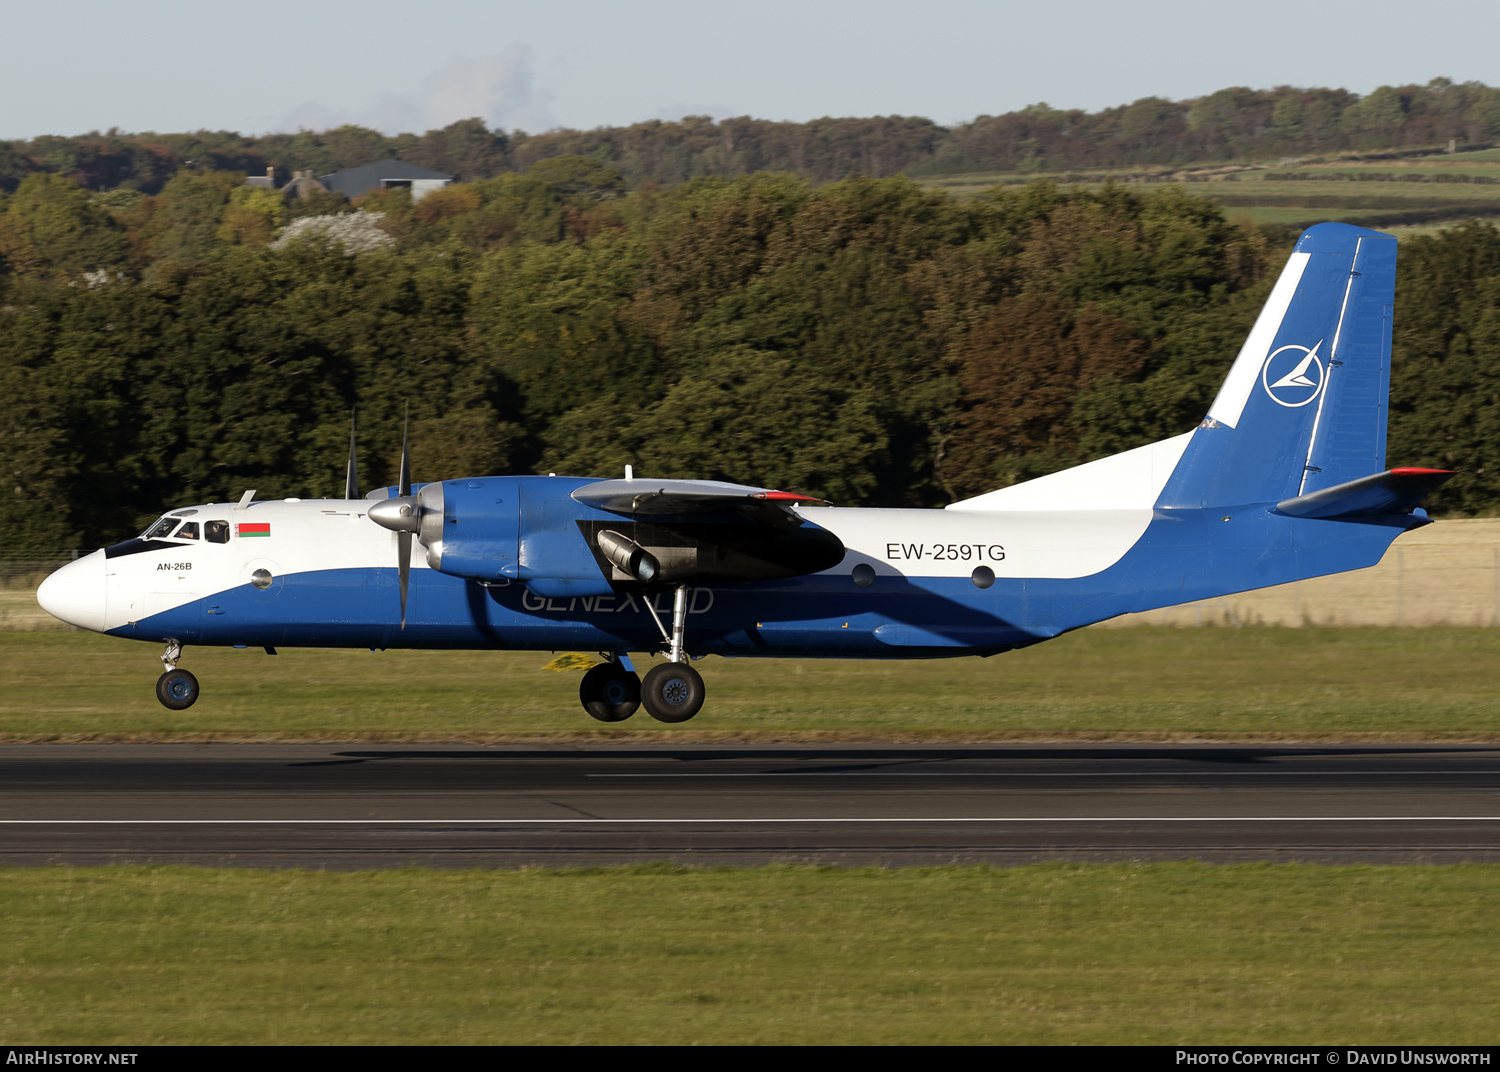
672	692
177	690
610	692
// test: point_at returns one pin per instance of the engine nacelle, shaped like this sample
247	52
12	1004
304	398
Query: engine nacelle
530	529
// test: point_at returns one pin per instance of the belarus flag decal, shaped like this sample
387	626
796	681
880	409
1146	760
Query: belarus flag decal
261	529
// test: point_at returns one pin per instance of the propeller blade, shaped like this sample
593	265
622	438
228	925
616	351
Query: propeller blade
401	514
405	485
403	554
351	478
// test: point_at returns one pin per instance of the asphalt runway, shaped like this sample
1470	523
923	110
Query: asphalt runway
345	807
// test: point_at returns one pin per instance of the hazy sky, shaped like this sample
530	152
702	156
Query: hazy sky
269	65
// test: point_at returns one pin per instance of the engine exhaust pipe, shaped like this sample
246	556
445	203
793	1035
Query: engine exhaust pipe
629	556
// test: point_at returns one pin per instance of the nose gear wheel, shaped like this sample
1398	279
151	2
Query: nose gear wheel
177	690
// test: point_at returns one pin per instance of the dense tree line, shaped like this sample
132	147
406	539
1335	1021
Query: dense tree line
1231	124
867	340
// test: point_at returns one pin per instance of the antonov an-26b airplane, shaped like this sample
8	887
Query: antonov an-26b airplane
1285	479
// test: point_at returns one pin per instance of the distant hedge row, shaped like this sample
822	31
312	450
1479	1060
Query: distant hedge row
1374	176
1232	124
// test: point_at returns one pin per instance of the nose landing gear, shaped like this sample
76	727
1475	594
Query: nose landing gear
176	689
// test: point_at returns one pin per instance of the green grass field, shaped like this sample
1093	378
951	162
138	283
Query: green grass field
1258	194
1303	202
1167	953
1145	682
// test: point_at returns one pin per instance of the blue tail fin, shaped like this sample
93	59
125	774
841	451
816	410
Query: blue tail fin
1304	405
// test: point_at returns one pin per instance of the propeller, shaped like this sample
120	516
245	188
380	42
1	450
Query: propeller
409	515
403	491
351	478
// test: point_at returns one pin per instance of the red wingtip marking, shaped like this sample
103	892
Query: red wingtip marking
786	496
1411	470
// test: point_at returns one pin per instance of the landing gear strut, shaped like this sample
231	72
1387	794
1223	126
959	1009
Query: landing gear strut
673	692
176	689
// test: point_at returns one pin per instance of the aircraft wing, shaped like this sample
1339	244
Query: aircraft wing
642	497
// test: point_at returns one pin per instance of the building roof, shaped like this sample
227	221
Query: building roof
303	185
355	181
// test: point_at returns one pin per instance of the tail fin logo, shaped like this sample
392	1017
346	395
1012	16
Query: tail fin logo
1300	375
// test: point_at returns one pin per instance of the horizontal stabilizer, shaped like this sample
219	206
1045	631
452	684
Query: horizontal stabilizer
1395	491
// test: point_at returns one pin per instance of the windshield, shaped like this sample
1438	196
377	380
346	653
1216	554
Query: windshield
162	528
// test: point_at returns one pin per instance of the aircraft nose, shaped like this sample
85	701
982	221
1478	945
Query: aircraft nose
75	594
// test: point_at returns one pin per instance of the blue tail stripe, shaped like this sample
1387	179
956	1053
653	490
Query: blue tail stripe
1350	439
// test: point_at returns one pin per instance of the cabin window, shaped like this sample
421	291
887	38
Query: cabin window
189	531
216	531
162	528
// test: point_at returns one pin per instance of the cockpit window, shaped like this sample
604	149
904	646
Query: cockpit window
216	531
162	528
189	531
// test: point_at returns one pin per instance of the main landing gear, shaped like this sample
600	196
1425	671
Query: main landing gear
610	692
672	692
176	689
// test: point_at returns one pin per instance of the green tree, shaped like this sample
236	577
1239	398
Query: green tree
1286	117
1216	110
253	216
52	228
1376	116
867	340
14	166
466	149
185	228
480	216
1445	365
742	416
555	324
344	147
1116	330
319	202
578	175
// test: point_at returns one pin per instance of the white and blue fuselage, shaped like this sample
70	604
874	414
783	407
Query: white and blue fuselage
333	582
